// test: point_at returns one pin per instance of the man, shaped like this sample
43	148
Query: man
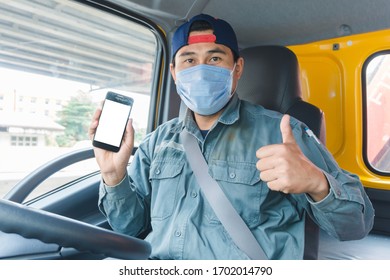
266	164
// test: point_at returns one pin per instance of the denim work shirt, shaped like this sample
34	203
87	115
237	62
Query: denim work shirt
160	196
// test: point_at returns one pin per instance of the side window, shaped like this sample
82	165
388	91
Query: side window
376	81
57	61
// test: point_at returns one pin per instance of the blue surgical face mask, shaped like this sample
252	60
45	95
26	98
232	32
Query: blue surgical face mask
205	89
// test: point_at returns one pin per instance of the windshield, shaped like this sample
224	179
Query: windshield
58	59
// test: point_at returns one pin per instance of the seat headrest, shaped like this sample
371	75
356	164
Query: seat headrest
270	77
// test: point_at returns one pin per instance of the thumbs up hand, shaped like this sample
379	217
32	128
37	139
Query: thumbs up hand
285	129
286	169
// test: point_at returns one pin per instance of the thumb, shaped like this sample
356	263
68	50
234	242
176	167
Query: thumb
285	129
130	131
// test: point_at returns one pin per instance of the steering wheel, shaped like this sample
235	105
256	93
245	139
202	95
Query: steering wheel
52	228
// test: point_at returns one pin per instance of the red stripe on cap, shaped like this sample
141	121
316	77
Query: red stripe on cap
204	38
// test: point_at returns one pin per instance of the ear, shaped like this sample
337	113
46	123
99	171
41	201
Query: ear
239	67
173	73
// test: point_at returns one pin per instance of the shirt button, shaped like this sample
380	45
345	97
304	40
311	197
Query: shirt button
232	175
194	194
177	233
158	171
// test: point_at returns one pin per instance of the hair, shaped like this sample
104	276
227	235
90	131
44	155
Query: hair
202	25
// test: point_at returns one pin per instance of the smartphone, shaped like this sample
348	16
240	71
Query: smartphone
113	120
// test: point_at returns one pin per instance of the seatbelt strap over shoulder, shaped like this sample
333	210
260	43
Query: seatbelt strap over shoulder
224	210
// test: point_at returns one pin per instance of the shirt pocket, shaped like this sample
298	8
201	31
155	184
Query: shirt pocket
165	178
241	184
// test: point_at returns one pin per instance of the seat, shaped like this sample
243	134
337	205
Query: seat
271	79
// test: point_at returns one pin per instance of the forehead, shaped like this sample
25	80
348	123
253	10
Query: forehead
203	48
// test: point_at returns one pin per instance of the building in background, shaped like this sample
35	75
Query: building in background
29	120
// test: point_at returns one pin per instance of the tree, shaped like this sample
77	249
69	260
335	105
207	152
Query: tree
76	117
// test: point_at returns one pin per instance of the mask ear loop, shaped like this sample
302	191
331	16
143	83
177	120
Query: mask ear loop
231	74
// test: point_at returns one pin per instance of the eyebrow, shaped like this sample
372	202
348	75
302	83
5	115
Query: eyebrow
212	51
217	50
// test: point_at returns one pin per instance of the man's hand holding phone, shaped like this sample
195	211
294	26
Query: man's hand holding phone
111	157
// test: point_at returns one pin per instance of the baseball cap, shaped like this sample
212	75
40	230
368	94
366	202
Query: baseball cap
223	34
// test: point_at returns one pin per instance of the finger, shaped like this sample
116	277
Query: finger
96	115
130	128
278	185
265	164
285	129
268	176
268	151
129	134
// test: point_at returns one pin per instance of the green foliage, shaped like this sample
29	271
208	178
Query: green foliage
76	117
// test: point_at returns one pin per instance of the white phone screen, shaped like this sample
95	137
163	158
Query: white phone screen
112	123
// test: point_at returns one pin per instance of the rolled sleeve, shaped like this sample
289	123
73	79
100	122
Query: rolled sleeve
346	212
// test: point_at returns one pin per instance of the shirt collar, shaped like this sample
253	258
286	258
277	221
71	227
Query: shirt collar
232	111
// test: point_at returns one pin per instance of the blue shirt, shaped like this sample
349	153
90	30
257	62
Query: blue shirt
161	197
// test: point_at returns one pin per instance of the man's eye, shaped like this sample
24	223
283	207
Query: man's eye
215	59
189	60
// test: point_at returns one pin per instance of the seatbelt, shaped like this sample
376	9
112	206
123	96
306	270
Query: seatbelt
223	209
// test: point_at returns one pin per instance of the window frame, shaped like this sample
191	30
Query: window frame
365	113
160	80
